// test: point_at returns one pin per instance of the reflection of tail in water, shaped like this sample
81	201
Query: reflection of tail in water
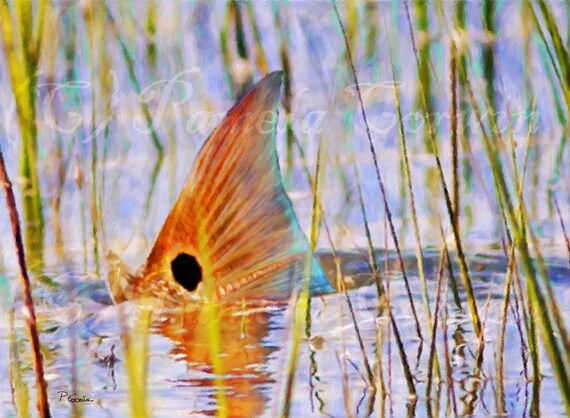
242	357
232	233
232	236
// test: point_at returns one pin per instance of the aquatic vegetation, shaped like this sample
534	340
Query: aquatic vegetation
377	226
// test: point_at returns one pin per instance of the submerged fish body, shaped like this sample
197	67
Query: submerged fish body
232	234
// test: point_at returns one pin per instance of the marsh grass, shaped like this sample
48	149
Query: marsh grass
542	305
31	321
302	306
563	227
528	302
130	64
22	48
378	174
136	353
471	301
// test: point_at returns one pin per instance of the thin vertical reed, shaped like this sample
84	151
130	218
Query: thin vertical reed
130	63
408	179
424	100
340	279
460	28
489	26
471	300
150	27
31	322
136	344
453	131
447	353
432	360
287	88
22	49
19	390
259	52
91	34
542	303
563	227
378	174
302	308
501	406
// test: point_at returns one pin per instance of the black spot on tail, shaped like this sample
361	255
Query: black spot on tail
186	271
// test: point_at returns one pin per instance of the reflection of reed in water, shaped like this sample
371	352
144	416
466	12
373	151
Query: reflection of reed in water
241	357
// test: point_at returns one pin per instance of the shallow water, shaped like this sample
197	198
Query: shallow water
78	313
79	325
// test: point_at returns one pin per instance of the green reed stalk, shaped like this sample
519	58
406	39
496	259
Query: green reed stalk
556	38
561	70
241	44
352	27
136	349
22	49
91	34
367	232
399	343
563	336
449	205
107	85
424	99
371	39
540	303
287	90
153	178
31	322
340	280
520	179
452	279
237	83
520	182
408	180
568	25
301	310
553	56
130	64
563	227
432	359
501	406
50	46
447	354
378	173
150	27
559	160
63	157
518	310
18	387
225	52
460	27
472	395
259	52
489	26
380	338
455	194
79	179
529	320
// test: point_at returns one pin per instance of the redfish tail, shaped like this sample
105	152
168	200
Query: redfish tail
233	231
